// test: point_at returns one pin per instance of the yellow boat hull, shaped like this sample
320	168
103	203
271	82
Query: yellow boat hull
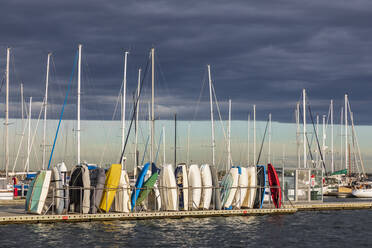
111	185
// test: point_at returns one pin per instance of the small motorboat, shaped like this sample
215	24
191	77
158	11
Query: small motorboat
363	190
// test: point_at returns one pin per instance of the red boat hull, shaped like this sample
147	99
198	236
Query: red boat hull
276	191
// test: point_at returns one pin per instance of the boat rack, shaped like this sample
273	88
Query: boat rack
49	207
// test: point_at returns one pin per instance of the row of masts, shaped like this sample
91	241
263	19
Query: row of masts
346	113
123	119
152	121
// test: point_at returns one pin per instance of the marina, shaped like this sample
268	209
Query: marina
185	124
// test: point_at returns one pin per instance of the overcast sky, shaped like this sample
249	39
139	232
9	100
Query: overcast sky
261	52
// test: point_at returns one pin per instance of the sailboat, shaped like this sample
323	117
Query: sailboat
6	189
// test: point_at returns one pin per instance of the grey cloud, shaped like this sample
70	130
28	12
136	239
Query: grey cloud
261	53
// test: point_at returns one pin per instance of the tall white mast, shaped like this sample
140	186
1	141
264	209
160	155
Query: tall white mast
254	134
297	113
211	106
346	143
123	105
149	118
248	145
29	137
229	139
45	110
136	134
269	150
22	105
164	145
324	140
304	122
188	144
332	151
7	113
22	116
78	107
152	103
317	148
356	141
342	138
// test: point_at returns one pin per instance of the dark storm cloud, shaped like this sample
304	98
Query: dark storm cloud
261	53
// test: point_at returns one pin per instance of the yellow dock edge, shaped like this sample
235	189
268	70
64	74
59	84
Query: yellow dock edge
287	209
334	206
141	215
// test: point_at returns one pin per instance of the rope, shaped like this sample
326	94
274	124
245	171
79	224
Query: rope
2	83
263	140
200	95
112	118
134	112
20	145
144	152
33	136
317	141
63	108
157	151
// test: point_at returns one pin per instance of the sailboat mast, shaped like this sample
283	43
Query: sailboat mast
175	140
297	113
356	141
123	105
45	110
78	107
29	137
304	128
332	148
152	103
211	107
346	141
229	139
342	138
269	150
149	122
188	144
248	145
254	134
317	149
7	113
163	144
22	116
136	129
22	105
324	140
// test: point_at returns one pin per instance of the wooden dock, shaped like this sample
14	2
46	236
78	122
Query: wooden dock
28	218
21	217
333	206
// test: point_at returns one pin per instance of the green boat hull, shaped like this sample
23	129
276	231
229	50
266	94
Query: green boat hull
147	187
36	191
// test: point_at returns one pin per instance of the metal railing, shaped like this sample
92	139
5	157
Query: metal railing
170	198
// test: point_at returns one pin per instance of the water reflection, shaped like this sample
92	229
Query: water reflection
303	229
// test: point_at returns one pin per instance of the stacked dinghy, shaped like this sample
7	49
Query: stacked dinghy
242	189
111	186
80	189
97	182
122	198
37	192
168	188
229	187
195	185
207	184
251	191
182	184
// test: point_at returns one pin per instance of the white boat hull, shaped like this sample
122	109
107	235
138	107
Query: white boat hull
362	193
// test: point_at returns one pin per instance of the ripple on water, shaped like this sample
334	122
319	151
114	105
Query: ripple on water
303	229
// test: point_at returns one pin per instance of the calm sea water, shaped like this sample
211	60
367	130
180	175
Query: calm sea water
302	229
